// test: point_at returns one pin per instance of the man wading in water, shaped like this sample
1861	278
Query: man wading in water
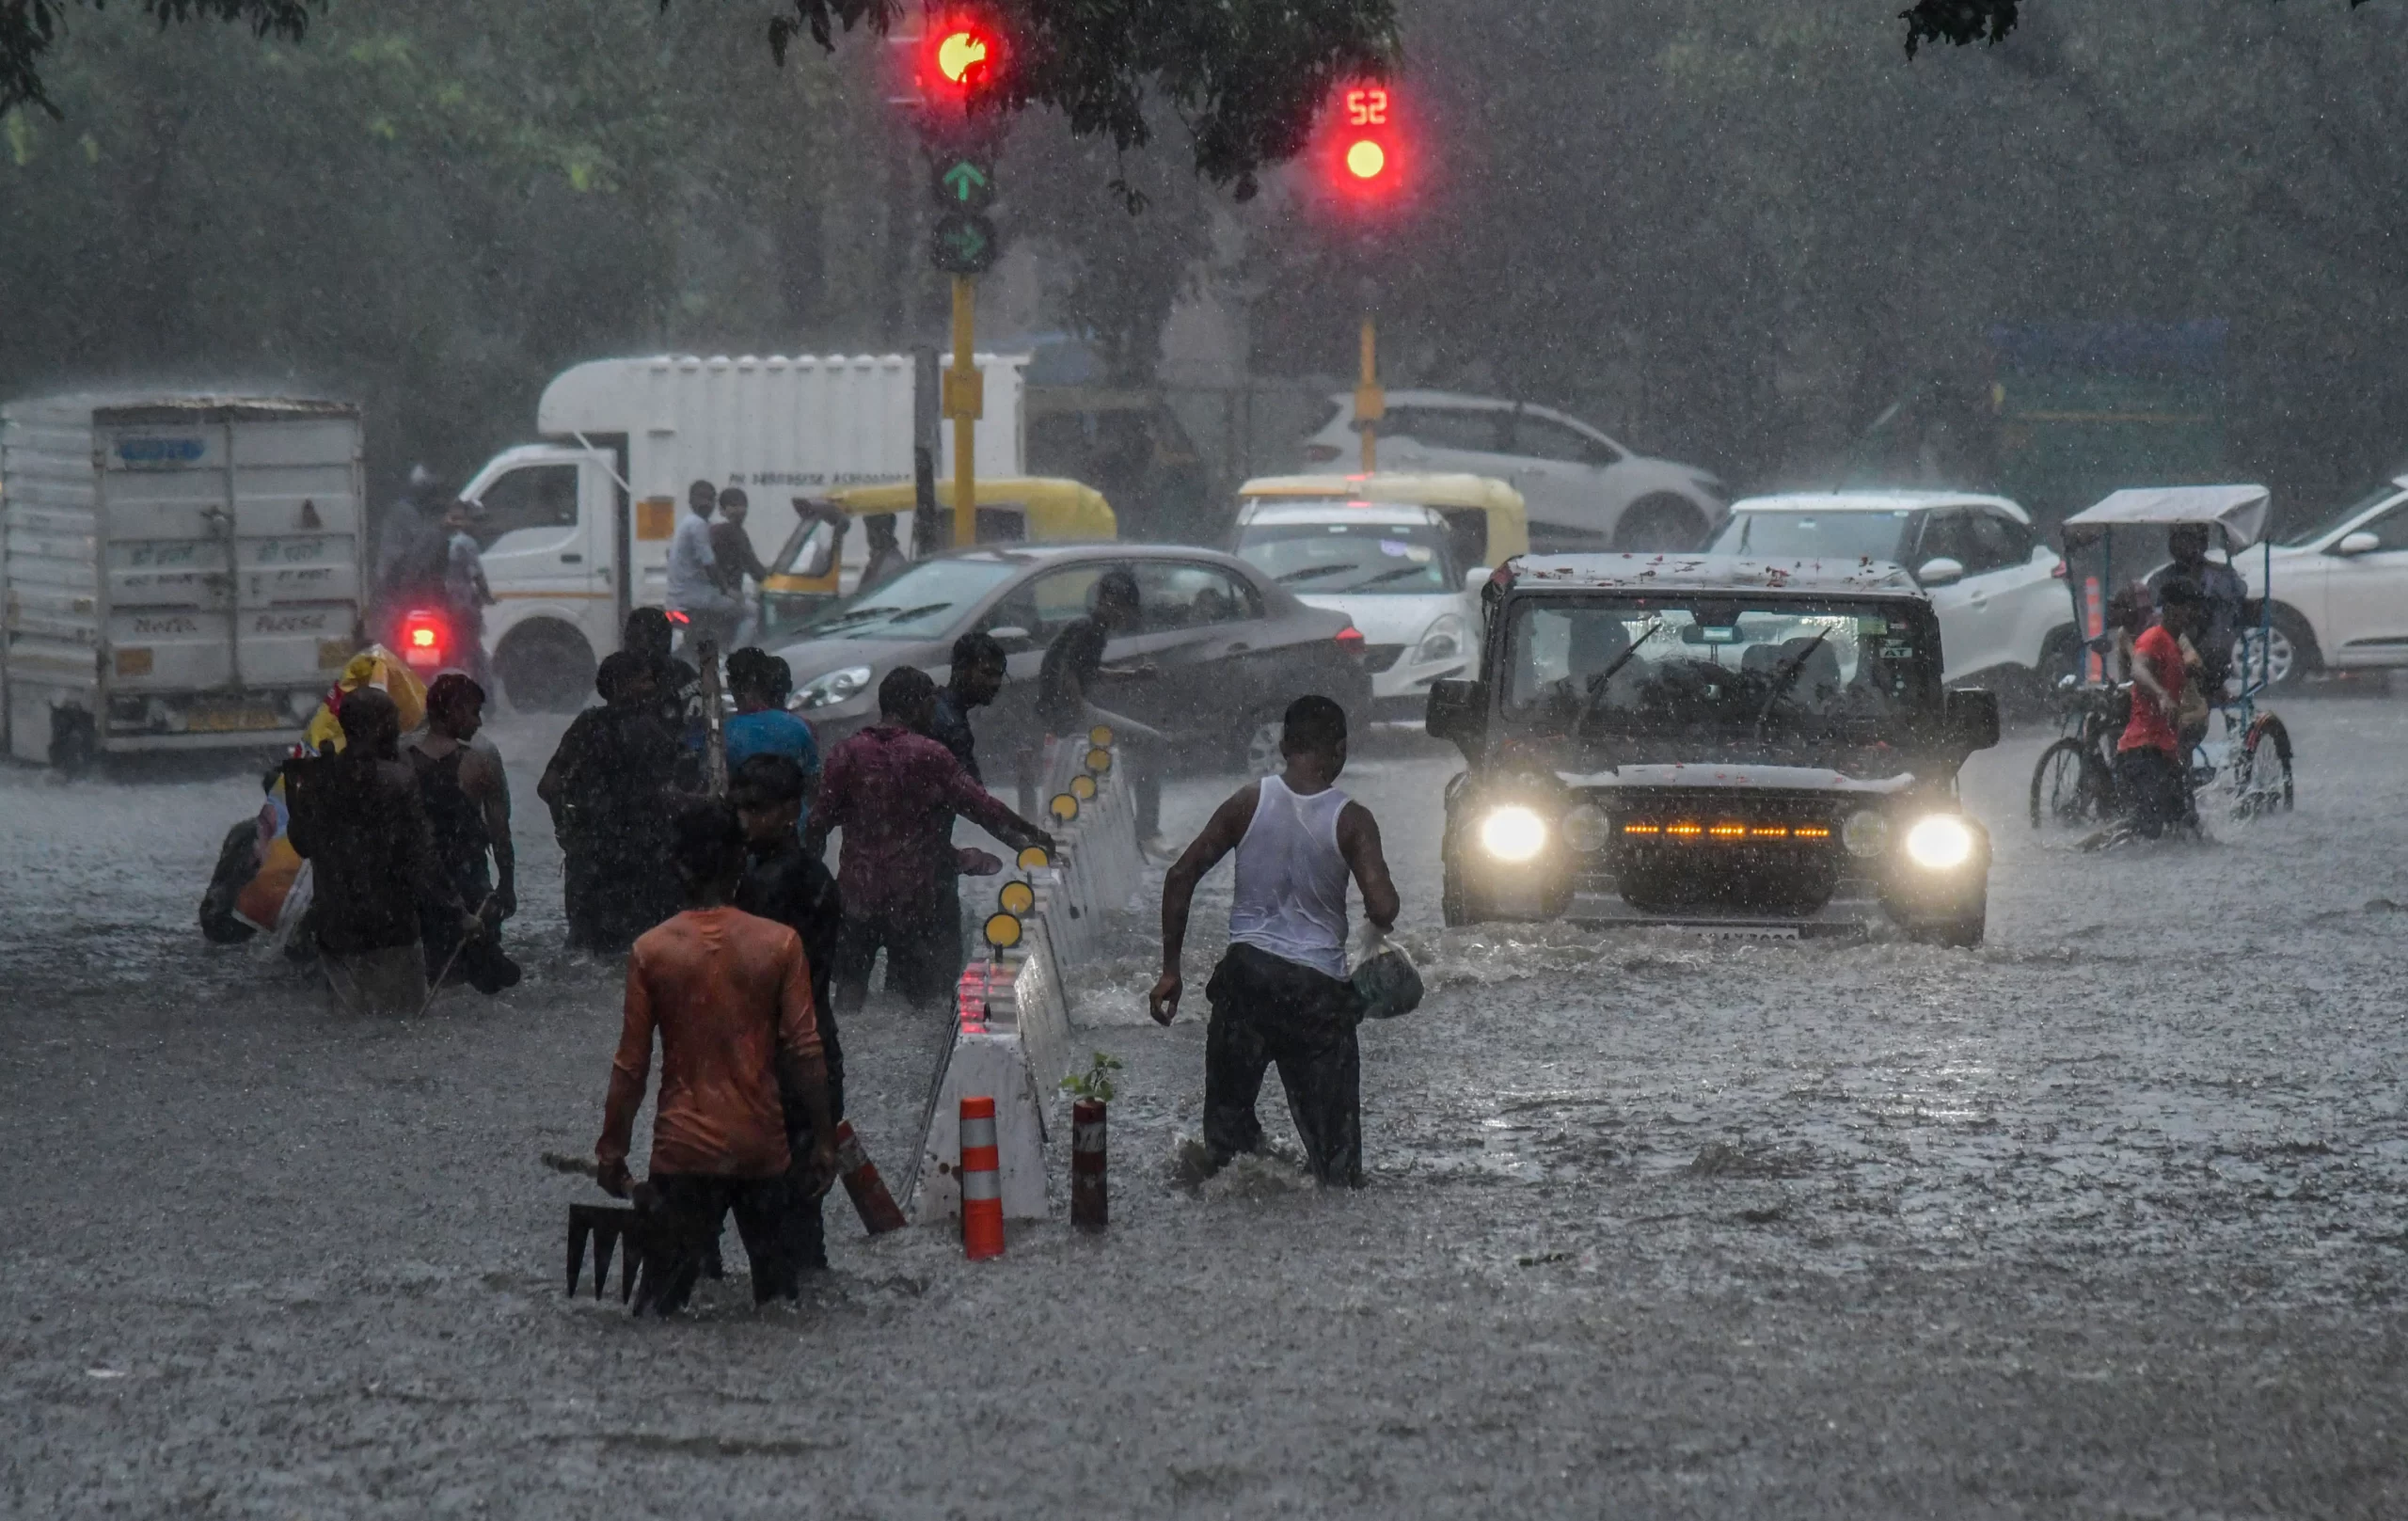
467	797
1280	993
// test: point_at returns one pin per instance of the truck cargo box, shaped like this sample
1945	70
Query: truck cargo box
182	571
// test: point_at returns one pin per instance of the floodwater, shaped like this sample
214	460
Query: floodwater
2103	1218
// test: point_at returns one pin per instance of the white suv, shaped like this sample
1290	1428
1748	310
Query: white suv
1585	492
2340	589
2000	592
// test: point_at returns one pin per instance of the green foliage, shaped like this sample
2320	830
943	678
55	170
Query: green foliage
1095	1084
28	28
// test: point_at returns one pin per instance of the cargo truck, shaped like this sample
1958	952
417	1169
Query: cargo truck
576	530
182	571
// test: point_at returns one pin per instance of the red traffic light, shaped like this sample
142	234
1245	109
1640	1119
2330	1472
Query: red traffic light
959	59
1366	153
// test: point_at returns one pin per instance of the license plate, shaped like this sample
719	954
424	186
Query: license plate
228	720
1749	931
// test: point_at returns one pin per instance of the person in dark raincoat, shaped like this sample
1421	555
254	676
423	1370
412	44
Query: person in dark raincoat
608	788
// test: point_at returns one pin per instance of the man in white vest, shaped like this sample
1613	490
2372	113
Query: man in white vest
1280	994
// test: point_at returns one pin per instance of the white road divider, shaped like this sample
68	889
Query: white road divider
1012	1036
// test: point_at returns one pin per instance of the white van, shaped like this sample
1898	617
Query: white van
576	530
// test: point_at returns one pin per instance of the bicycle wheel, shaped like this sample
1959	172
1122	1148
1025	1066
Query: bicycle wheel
2066	789
2263	772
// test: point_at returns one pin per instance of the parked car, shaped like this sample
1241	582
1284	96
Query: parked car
1585	491
1231	647
2340	591
2000	592
1389	566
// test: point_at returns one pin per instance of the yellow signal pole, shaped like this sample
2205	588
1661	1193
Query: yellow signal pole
1370	399
964	403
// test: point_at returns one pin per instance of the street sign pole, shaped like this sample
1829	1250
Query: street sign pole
963	402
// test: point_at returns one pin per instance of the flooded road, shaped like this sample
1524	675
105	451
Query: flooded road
2109	1216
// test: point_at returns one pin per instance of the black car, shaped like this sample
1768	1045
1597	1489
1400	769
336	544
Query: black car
1761	747
1231	647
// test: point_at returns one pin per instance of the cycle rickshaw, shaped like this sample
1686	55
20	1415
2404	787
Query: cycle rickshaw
2243	761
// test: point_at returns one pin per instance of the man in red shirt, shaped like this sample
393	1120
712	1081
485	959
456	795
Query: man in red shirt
2148	758
894	792
730	996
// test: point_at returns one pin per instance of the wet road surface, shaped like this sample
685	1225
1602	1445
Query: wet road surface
2105	1218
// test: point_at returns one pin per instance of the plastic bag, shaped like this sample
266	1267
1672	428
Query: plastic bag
1385	981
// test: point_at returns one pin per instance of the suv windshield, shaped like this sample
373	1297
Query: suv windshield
1716	668
921	603
1792	535
1308	558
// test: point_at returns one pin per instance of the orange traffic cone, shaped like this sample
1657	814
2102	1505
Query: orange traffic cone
982	1182
862	1184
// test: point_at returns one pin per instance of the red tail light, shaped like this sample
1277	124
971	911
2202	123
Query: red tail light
1321	454
1350	638
425	639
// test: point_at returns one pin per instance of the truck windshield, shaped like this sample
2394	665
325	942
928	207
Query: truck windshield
921	603
1335	557
1788	535
1712	668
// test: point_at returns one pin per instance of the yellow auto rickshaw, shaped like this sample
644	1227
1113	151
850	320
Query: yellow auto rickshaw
822	563
1484	517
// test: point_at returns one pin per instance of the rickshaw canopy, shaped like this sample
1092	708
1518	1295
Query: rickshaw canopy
1012	509
2240	510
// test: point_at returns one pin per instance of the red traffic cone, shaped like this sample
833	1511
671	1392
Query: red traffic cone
982	1182
862	1184
1090	1209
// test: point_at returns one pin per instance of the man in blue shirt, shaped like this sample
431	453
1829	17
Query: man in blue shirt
759	682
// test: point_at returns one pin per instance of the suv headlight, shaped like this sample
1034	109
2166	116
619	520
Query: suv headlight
1866	834
1939	841
1513	834
834	688
1442	641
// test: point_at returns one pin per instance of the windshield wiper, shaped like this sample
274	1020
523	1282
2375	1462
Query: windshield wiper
1597	684
861	615
1391	575
1311	571
1787	673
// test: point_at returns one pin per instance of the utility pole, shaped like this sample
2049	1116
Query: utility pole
964	402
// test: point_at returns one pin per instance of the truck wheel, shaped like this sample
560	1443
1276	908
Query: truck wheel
74	742
545	669
1659	523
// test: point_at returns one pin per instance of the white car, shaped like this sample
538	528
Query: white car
2340	591
2000	592
1585	492
1388	566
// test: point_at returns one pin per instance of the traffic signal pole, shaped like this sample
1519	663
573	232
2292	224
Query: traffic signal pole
1370	399
964	401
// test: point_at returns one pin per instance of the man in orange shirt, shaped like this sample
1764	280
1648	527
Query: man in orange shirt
730	996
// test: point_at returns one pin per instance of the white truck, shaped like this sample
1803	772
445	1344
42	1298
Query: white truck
576	530
183	571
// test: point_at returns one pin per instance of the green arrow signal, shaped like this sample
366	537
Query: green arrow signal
966	181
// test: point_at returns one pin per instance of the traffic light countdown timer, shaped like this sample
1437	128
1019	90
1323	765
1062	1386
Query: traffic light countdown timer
1367	167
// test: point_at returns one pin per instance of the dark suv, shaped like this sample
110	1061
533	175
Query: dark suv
1762	747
